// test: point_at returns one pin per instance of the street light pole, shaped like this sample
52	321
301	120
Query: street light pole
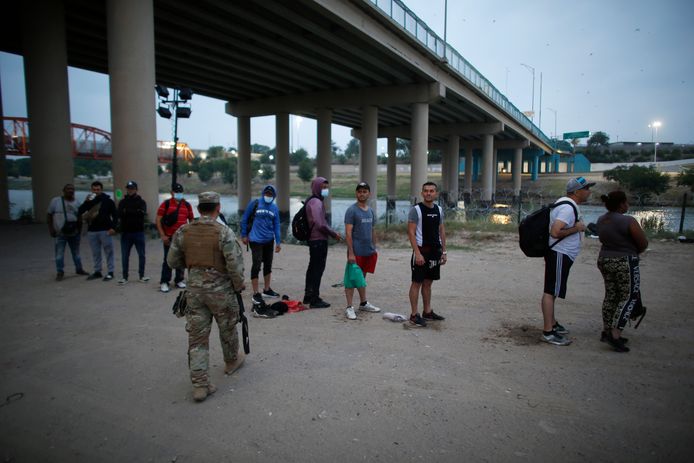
180	96
532	70
655	125
555	121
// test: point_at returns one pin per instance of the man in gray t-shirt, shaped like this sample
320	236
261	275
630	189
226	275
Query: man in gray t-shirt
361	249
64	224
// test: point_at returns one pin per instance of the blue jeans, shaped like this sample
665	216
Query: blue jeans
74	243
166	270
127	240
97	240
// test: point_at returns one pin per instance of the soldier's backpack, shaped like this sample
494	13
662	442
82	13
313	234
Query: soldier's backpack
300	228
533	231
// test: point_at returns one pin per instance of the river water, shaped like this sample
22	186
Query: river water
22	200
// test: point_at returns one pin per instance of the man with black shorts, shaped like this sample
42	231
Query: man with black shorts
427	236
565	230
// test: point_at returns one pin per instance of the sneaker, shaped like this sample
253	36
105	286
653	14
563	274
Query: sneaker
617	344
270	293
181	285
368	307
122	281
94	276
143	279
319	304
59	276
349	313
81	272
418	321
432	316
260	311
603	338
257	299
164	288
555	338
108	276
559	329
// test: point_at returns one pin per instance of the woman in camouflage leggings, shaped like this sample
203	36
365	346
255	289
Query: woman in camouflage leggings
622	241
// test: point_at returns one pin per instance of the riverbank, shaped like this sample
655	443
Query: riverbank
94	371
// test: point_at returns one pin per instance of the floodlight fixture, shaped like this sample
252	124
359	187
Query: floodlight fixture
183	112
163	92
185	94
164	112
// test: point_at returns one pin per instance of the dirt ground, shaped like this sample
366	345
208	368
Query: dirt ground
96	372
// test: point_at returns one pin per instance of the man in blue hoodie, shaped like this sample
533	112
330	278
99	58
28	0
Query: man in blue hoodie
317	242
260	227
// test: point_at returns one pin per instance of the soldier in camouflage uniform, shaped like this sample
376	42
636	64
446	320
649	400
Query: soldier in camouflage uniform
212	255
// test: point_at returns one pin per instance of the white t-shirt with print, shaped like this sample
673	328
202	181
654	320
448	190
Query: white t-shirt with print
571	245
56	209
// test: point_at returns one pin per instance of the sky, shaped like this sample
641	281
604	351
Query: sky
606	65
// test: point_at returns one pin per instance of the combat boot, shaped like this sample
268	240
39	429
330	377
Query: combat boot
231	367
200	393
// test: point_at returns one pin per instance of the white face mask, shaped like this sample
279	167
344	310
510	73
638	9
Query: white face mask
268	199
178	196
325	193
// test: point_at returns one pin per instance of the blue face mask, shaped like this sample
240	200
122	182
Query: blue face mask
178	196
268	199
325	193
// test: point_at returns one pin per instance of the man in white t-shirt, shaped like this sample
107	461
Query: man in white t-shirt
65	225
565	230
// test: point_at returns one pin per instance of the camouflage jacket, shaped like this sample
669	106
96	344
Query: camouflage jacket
203	280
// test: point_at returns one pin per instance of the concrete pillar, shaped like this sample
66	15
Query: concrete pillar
453	166
487	167
556	162
516	168
535	167
495	173
443	184
48	102
368	161
476	161
324	152
4	194
131	82
468	175
418	150
282	168
243	166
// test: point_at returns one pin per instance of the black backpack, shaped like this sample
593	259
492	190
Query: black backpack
251	218
300	228
533	231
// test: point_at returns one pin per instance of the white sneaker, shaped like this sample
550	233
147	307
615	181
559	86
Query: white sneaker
349	312
164	288
144	279
369	307
122	281
181	285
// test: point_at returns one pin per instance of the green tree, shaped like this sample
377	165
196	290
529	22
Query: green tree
598	139
205	172
12	169
215	152
298	156
640	181
352	149
261	149
305	171
268	172
227	167
686	178
402	150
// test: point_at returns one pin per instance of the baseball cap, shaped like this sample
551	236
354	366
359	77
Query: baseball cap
362	185
208	197
131	184
177	188
576	184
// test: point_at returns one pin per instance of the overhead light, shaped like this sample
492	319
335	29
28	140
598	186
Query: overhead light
185	94
183	113
164	112
163	92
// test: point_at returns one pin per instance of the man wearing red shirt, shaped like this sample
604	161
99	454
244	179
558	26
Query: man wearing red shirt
172	215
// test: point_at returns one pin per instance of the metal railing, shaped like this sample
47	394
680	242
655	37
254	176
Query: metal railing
418	30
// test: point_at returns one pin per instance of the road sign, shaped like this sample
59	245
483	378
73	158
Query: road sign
572	135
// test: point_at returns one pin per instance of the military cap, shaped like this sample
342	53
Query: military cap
208	197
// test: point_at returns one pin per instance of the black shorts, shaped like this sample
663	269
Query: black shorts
557	266
431	270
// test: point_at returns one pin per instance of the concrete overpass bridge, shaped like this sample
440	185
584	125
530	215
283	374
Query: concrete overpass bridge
371	65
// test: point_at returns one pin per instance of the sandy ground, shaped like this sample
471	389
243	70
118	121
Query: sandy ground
100	370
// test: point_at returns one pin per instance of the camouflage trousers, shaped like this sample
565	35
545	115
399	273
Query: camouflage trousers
202	307
622	289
